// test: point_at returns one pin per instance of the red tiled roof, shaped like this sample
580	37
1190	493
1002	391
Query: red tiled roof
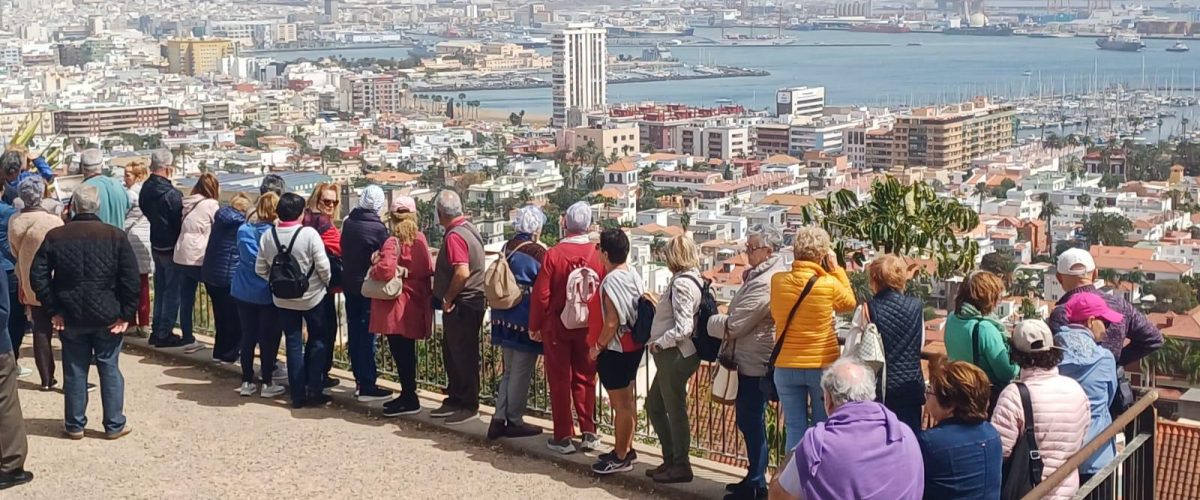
1177	451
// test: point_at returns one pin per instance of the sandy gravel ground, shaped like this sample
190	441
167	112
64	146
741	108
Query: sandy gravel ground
194	437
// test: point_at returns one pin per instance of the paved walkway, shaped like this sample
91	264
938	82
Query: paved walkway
194	437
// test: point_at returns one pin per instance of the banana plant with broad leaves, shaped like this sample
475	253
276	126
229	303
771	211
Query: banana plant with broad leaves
904	219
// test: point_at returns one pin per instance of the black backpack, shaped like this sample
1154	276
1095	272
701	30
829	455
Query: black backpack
645	320
285	278
706	347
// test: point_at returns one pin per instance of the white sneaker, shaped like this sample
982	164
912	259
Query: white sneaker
23	372
589	442
194	347
247	389
272	390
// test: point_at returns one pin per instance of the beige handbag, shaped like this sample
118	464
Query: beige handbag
725	378
384	290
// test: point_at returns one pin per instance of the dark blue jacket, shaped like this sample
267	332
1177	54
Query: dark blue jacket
901	323
7	259
221	257
961	460
362	235
510	328
162	205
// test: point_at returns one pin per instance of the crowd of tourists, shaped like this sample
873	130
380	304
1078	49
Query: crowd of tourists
853	414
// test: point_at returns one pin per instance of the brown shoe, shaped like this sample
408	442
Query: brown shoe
678	473
497	429
523	431
119	434
657	470
76	436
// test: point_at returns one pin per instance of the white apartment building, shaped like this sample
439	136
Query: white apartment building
819	134
580	79
724	142
800	101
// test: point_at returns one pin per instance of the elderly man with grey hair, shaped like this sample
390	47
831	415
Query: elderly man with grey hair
162	205
114	202
749	333
458	284
861	451
86	277
570	370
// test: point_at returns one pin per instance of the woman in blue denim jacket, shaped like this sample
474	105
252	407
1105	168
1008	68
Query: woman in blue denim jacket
962	451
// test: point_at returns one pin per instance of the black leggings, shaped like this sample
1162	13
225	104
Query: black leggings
404	353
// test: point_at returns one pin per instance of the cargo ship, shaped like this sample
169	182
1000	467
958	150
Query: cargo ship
880	28
649	32
1121	42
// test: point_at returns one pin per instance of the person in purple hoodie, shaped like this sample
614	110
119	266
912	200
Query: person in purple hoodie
861	451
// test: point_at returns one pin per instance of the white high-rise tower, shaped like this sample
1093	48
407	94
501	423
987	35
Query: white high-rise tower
580	79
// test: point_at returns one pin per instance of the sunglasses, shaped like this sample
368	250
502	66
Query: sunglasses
328	202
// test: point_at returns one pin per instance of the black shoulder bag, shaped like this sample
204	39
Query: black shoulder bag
767	383
1023	469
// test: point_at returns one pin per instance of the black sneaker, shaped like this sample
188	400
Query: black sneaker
631	456
443	411
168	342
401	406
461	417
317	401
373	394
732	487
331	382
21	476
747	492
610	464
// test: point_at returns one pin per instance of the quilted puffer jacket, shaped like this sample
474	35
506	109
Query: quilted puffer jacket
86	272
750	329
811	341
221	257
1060	420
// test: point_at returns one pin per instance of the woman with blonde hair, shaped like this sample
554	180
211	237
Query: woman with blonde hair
675	359
900	320
974	335
321	209
256	311
199	209
137	229
220	261
407	318
803	302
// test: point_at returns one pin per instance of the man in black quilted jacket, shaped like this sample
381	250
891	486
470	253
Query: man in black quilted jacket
86	277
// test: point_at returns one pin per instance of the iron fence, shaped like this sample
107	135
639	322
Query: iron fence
714	431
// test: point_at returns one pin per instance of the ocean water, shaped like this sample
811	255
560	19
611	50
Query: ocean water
943	68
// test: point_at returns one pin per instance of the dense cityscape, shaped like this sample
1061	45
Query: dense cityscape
980	163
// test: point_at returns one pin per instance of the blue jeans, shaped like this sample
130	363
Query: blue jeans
166	296
751	408
305	362
79	347
189	280
797	387
361	342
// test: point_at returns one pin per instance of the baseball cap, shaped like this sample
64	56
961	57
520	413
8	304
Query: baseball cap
1076	262
1084	306
1033	335
404	203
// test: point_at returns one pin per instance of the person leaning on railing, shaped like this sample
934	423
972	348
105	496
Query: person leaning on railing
675	359
199	209
962	449
809	343
749	338
363	234
1093	366
975	336
258	315
162	205
407	318
510	328
901	322
1060	407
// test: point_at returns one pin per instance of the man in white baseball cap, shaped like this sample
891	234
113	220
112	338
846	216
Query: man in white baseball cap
1076	263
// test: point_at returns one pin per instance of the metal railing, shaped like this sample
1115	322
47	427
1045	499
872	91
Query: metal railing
714	431
1130	474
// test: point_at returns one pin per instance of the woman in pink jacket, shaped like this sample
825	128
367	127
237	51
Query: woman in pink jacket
199	208
407	318
1061	412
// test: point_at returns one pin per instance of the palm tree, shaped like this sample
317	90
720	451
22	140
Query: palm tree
981	189
1085	201
685	220
1049	210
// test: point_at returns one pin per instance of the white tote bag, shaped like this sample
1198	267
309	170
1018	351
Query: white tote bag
724	385
866	345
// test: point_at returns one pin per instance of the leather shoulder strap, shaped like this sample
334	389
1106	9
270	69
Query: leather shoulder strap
1036	465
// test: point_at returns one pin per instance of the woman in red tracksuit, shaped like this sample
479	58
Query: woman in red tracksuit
323	207
569	370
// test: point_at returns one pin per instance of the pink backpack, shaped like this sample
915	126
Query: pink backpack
582	284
